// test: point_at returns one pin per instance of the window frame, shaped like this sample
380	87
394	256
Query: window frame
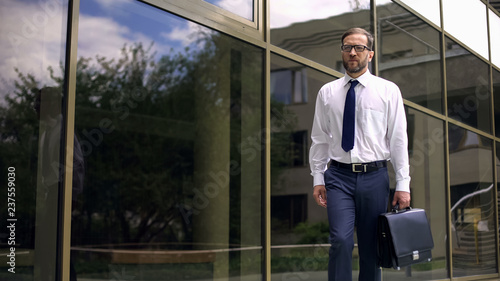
217	18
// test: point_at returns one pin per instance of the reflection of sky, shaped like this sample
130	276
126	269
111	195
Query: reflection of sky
33	32
31	39
105	26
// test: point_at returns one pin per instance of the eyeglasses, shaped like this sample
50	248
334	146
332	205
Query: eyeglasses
357	48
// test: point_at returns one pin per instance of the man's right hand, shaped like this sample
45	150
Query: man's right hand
319	194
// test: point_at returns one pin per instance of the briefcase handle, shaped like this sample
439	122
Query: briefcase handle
396	209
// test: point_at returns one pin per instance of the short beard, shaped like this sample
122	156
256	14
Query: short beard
362	64
352	69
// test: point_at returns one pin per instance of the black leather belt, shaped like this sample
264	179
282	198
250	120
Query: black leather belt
360	167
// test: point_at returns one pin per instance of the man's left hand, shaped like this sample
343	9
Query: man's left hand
403	198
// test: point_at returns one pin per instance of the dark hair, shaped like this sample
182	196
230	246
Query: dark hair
359	30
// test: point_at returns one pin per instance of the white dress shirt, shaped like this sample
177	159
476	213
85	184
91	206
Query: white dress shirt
380	127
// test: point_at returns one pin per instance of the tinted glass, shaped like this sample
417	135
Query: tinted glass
469	99
408	54
426	145
472	213
170	130
496	97
315	33
32	40
497	161
297	222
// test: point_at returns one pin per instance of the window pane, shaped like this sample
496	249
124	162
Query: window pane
300	27
408	52
296	220
242	8
170	129
32	40
473	216
496	97
468	87
428	191
428	9
497	162
495	39
473	34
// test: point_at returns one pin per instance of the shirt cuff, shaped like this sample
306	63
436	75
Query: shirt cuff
318	179
403	185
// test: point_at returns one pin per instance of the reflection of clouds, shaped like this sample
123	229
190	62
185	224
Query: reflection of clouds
132	22
32	39
33	35
105	37
127	22
286	12
187	34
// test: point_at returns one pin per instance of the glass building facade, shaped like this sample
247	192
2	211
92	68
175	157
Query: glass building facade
169	140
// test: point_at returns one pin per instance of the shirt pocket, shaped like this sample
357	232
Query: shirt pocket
373	122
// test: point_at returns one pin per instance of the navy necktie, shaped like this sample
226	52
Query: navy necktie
348	125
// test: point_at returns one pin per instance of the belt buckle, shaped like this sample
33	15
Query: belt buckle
363	170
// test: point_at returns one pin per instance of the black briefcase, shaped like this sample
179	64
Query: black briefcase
404	238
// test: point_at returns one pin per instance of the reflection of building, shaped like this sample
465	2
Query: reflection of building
409	53
196	159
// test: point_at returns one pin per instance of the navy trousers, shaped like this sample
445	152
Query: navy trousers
354	200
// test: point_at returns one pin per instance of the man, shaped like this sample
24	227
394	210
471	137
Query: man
355	186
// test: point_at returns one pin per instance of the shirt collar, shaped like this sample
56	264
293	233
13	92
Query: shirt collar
363	79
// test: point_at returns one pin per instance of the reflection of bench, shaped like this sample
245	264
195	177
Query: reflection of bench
131	256
156	261
118	256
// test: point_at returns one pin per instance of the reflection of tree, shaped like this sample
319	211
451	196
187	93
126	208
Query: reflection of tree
18	149
129	112
136	122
